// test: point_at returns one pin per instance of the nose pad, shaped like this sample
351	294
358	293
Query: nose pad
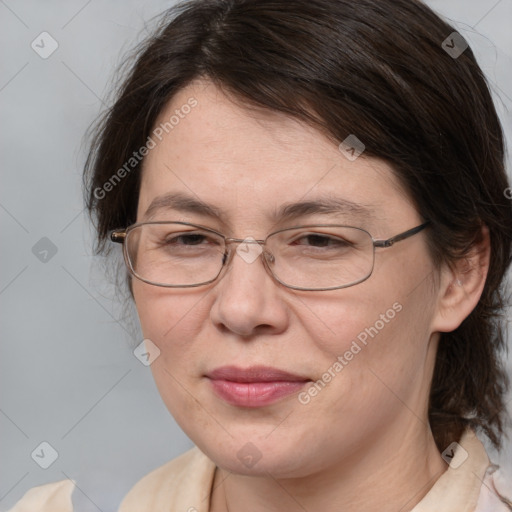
270	257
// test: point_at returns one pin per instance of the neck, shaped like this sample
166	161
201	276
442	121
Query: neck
392	473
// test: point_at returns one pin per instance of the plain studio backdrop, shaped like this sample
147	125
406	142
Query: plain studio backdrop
68	374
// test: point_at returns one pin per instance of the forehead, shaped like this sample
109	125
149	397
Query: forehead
251	164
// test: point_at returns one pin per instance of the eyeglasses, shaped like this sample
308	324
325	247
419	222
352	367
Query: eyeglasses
311	257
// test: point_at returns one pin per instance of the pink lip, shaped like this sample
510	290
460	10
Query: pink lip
255	386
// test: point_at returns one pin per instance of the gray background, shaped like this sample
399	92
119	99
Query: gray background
68	375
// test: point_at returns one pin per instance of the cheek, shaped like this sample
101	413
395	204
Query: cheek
167	315
366	343
349	321
173	322
361	374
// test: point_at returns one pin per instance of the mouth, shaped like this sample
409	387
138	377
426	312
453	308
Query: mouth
255	386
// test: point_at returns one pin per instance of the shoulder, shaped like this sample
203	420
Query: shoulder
54	497
183	483
470	482
495	492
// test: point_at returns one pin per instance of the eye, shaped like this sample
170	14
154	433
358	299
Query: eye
187	239
321	240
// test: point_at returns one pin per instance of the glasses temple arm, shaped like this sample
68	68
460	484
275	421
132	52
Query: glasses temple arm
406	234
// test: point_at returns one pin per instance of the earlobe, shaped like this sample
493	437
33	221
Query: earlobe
461	286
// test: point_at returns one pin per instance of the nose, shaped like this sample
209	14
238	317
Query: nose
247	299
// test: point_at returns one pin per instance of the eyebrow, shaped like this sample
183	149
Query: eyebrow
185	203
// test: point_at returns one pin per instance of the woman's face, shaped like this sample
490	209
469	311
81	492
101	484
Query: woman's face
370	345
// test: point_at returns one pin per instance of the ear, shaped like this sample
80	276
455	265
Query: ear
461	286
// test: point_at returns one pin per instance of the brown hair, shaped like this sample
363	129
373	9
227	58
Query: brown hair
374	68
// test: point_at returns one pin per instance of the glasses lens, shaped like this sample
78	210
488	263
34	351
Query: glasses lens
321	257
174	254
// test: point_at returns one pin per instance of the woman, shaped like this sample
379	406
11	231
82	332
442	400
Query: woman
312	203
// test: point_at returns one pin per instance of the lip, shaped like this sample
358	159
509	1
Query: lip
255	386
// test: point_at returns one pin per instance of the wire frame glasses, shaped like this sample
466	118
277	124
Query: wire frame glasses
311	257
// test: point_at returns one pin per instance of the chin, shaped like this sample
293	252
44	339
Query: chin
248	456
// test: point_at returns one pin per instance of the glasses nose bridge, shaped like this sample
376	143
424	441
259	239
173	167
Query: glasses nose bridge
261	243
229	240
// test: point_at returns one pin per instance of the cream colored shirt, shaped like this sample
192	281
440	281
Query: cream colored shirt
470	484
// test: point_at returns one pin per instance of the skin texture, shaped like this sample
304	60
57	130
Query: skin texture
363	443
